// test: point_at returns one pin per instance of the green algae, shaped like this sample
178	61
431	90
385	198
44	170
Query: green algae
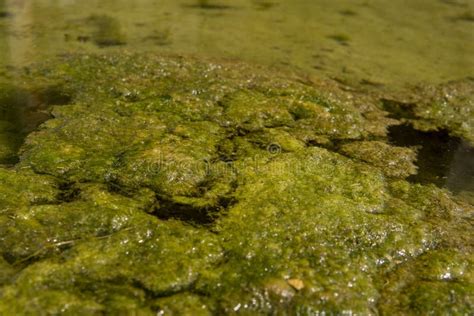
394	161
448	106
107	31
100	232
435	277
175	186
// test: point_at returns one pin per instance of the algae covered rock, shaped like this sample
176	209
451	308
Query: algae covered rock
167	185
76	253
448	107
437	282
393	161
328	222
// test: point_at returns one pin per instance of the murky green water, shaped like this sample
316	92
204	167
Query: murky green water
390	43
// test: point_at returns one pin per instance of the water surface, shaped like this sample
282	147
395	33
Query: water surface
378	43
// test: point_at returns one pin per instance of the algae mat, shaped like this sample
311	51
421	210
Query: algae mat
138	184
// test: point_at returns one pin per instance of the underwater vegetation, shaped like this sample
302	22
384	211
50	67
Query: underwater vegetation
107	31
175	186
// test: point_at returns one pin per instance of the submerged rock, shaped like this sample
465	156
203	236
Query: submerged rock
170	186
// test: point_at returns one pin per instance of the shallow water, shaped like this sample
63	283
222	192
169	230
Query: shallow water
376	43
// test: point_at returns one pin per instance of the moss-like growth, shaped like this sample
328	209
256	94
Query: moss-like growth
393	161
170	185
439	282
430	108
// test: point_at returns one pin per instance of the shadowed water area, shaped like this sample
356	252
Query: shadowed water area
223	157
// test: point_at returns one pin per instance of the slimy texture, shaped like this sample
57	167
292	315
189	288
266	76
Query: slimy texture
172	185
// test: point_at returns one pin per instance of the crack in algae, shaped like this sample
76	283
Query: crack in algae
205	215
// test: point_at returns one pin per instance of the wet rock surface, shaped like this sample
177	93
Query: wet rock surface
170	185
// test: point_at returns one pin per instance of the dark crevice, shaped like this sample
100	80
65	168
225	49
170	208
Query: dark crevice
113	186
68	192
53	95
399	110
203	215
151	295
9	258
443	160
226	149
198	216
